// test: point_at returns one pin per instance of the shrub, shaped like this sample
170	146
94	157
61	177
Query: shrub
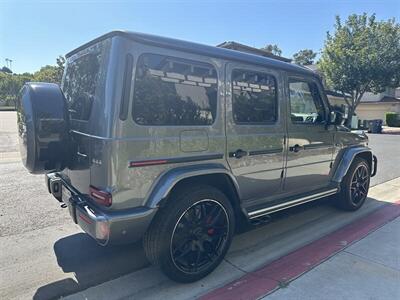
392	119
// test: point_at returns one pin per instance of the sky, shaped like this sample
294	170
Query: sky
34	33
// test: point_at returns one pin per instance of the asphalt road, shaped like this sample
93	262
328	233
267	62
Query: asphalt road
44	255
387	149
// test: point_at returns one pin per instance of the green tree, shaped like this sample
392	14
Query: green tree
272	48
10	85
47	74
304	57
6	70
51	74
60	61
362	55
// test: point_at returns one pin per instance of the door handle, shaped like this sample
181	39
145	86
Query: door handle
296	148
238	153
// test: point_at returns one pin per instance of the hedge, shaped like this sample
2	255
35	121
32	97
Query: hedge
392	119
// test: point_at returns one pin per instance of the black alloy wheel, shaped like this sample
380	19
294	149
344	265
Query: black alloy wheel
199	236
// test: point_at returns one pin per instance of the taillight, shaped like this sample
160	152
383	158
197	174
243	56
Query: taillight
101	197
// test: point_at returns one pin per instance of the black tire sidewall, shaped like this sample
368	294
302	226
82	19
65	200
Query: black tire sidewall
174	209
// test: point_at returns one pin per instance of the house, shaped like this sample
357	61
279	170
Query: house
244	48
372	106
375	106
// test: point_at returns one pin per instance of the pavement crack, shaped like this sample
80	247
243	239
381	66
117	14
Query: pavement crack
371	260
236	267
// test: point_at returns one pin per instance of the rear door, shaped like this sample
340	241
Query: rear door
84	88
310	139
255	129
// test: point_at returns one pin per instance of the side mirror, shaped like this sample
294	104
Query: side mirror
336	118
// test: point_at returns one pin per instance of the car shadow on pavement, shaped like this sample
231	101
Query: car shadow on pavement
91	264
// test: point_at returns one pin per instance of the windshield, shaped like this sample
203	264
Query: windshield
83	77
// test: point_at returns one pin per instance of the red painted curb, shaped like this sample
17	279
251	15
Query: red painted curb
263	281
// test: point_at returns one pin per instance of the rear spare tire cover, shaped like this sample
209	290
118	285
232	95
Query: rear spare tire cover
43	127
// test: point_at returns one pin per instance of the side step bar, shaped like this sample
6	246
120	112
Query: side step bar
295	202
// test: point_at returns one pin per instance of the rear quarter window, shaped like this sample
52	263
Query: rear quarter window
174	91
82	78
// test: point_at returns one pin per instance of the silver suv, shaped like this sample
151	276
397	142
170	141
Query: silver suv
174	142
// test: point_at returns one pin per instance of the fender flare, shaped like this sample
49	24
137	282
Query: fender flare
166	182
345	159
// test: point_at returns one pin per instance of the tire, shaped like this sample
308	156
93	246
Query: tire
43	127
187	238
355	185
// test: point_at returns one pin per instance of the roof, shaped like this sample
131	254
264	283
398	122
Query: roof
334	93
390	99
200	49
241	47
313	67
386	99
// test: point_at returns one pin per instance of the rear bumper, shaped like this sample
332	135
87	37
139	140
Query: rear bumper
106	227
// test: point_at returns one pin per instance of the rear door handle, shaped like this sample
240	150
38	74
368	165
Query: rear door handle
238	153
295	148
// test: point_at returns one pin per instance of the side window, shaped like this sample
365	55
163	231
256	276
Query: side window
306	105
254	97
173	91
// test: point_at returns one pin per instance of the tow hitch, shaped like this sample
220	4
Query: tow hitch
54	185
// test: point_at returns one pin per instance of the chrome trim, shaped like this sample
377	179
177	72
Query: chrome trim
278	207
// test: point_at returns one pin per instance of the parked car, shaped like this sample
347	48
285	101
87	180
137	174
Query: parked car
173	142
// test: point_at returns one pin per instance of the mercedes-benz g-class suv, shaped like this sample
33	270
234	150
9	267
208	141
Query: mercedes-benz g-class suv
173	142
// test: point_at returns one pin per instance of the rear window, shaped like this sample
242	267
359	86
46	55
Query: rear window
83	75
173	91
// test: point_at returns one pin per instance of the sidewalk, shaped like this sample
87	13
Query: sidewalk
390	130
358	261
368	269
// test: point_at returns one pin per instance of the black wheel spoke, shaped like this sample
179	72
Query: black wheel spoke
184	253
197	260
219	234
215	218
182	245
222	227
